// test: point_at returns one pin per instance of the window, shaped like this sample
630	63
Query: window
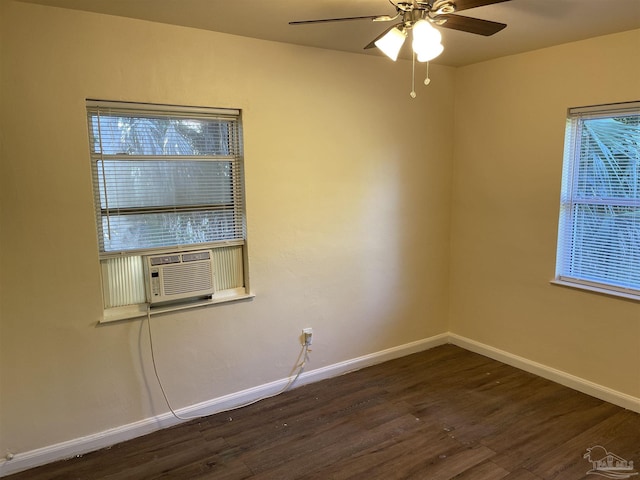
599	232
166	179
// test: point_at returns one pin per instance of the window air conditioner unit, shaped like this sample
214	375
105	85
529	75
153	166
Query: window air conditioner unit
176	276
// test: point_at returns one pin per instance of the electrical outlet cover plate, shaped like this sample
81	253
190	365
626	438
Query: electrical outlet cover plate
307	336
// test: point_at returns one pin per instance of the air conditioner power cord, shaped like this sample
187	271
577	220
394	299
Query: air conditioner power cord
298	369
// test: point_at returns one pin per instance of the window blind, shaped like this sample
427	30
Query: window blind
599	234
165	176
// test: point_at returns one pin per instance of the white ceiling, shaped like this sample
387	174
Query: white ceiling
532	24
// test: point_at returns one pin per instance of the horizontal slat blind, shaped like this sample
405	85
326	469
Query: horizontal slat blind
165	178
599	240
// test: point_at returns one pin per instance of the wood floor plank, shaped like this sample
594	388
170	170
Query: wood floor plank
486	470
321	459
413	455
522	474
442	414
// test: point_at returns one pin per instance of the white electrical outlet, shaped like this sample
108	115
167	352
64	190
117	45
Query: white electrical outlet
307	336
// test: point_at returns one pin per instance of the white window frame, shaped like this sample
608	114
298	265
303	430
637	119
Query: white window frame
619	277
123	277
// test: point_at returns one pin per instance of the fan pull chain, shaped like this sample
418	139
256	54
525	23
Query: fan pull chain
413	77
427	80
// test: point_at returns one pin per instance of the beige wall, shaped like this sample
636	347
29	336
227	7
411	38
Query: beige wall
510	119
348	193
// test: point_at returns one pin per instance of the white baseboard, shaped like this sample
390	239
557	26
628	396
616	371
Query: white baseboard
576	383
82	445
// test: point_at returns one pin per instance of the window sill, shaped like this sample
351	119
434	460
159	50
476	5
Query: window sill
131	312
600	290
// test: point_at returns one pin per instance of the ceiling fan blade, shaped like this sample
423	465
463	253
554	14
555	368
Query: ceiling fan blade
471	25
467	4
372	43
343	19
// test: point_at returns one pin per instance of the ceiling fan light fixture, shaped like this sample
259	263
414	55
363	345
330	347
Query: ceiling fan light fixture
391	43
427	41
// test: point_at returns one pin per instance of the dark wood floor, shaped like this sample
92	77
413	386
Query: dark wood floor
441	414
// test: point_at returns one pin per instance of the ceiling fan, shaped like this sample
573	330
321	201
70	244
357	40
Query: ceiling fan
420	17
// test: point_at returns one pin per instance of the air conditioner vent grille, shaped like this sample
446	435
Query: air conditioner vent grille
184	278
